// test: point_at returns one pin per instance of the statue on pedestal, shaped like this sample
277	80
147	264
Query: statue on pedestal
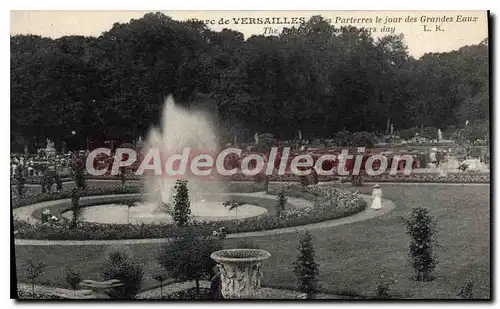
50	149
256	138
140	143
440	135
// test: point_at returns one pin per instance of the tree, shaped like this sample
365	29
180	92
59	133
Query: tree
182	205
73	278
121	266
232	206
266	142
160	277
363	139
421	227
306	269
20	180
75	206
79	173
130	204
281	203
345	77
187	257
59	184
123	175
33	272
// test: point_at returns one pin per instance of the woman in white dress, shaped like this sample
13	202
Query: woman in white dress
377	197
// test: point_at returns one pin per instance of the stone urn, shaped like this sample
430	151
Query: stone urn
240	272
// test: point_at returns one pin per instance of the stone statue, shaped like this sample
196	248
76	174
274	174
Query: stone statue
50	144
256	138
440	135
392	128
255	275
216	284
50	150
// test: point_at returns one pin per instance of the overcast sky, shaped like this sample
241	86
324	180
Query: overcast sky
454	34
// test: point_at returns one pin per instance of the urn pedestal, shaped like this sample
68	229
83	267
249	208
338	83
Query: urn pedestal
240	272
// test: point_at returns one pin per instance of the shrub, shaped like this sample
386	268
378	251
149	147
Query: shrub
59	184
182	206
187	257
120	265
430	133
343	138
20	180
423	159
363	139
421	227
192	294
306	269
304	181
34	271
383	286
44	184
467	291
75	206
73	278
280	205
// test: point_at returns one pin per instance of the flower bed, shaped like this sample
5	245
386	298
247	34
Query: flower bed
190	294
32	198
329	203
464	177
461	177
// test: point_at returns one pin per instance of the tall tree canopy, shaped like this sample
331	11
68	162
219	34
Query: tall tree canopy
320	80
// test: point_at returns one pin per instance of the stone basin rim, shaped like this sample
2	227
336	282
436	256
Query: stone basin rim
249	255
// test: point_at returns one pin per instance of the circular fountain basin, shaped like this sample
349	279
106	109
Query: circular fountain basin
150	213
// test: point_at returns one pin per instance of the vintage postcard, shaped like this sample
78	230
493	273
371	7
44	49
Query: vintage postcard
215	155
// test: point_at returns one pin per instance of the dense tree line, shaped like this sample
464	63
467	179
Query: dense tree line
317	80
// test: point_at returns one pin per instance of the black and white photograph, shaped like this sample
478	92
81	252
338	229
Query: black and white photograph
250	155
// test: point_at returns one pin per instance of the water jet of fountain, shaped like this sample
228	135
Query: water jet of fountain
180	128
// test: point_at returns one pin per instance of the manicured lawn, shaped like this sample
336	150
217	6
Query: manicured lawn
351	257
